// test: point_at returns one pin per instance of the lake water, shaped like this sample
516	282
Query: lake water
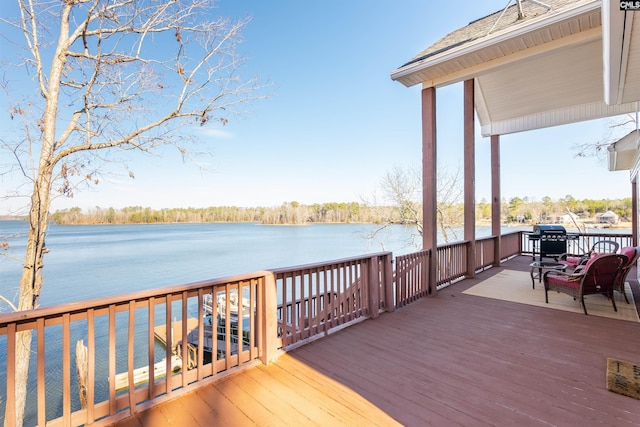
88	261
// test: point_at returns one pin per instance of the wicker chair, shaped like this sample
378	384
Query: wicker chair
597	277
632	254
599	247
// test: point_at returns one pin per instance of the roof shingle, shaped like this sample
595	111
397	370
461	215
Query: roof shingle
492	23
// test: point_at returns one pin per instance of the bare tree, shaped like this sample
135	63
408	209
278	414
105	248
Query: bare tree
617	126
124	74
402	187
449	194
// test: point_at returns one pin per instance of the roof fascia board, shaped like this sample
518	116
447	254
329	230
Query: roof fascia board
616	39
624	60
494	39
633	173
485	67
481	105
613	159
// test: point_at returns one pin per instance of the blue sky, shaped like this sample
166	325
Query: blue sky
335	122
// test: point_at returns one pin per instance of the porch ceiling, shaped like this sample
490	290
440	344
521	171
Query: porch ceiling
554	67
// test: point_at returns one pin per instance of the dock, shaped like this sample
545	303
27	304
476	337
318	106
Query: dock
141	375
160	332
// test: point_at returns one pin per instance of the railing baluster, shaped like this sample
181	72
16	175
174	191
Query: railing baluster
185	346
308	304
10	415
215	328
42	408
66	369
168	351
151	310
112	359
227	328
200	355
91	364
131	356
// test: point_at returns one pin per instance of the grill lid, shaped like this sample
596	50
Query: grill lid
549	229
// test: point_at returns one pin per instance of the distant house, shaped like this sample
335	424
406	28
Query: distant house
567	218
608	217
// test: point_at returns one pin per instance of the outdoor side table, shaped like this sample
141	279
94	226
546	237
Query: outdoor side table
541	267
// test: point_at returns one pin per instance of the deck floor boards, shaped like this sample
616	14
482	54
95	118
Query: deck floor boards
454	359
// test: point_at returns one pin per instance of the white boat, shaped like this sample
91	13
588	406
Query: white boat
221	307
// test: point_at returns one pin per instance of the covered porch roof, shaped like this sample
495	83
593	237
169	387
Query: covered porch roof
539	64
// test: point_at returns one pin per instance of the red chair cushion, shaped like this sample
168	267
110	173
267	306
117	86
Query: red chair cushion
566	281
571	261
629	252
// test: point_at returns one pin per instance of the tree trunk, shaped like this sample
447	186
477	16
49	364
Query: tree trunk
30	284
31	281
81	371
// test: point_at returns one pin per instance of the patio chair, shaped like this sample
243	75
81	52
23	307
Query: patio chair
632	254
596	277
599	247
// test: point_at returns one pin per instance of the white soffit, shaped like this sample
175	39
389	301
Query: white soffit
559	87
545	119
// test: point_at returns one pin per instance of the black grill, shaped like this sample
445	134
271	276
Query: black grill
552	238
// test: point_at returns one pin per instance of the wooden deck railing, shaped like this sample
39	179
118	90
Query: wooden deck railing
229	322
451	263
510	245
313	299
122	336
252	315
577	243
452	266
411	277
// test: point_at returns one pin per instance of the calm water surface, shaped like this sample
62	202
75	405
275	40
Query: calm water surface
88	261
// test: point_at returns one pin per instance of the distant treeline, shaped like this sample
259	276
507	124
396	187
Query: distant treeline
524	210
287	213
513	210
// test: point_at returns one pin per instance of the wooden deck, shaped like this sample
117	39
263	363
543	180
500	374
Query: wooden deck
455	359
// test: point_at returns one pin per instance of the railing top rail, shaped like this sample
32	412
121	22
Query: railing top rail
328	263
413	254
456	243
102	302
492	236
601	234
